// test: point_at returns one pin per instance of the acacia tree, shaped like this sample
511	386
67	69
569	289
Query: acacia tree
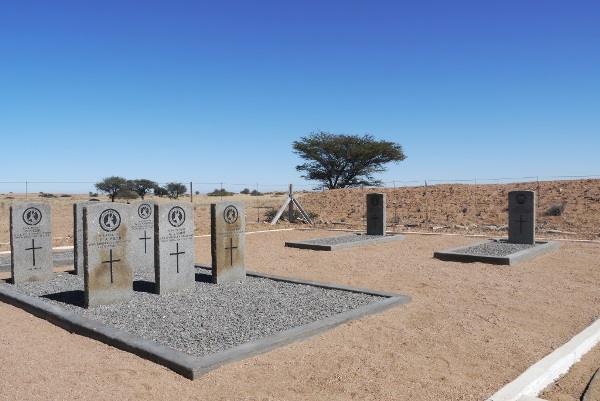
341	160
174	189
112	186
142	187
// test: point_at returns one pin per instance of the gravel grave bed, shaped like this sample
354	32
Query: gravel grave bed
207	318
495	248
5	260
344	239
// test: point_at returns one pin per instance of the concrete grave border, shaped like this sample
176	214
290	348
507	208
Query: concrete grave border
189	366
324	247
452	255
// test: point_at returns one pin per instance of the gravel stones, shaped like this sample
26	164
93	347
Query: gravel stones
495	248
207	318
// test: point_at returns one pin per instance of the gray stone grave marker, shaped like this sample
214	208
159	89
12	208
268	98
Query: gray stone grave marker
376	223
31	242
108	275
78	236
142	234
228	241
174	247
521	217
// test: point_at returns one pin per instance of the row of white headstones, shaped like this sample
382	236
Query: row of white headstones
112	240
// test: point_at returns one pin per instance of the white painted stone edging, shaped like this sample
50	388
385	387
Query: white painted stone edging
535	379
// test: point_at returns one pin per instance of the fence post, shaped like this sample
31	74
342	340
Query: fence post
426	205
191	193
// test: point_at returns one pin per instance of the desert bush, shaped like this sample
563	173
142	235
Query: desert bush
220	192
256	193
45	195
556	209
245	191
127	194
66	196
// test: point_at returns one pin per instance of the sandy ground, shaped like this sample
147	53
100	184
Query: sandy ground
469	330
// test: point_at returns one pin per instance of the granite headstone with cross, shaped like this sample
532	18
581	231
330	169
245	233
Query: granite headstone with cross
521	217
108	274
78	236
142	234
174	247
31	242
228	241
376	223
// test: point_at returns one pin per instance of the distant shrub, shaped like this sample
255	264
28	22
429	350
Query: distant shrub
93	194
556	210
245	191
66	196
45	195
256	193
94	200
127	194
220	192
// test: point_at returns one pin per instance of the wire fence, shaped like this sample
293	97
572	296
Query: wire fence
202	187
463	205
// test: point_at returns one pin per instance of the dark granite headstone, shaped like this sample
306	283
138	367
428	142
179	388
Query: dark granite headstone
31	242
108	274
174	247
228	241
521	217
376	223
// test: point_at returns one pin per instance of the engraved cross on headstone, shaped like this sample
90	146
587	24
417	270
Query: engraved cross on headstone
145	238
374	218
32	249
177	253
111	260
231	248
521	221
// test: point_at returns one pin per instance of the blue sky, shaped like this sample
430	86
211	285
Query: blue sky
217	91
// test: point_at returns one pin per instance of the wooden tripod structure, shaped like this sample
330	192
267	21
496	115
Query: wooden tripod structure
290	202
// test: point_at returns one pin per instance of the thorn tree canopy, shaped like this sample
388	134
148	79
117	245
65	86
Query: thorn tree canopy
112	186
343	161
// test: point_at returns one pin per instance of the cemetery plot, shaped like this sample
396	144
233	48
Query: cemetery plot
376	230
343	241
496	251
521	244
193	332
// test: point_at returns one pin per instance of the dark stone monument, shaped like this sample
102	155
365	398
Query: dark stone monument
228	241
31	242
174	247
108	274
142	234
78	236
376	223
521	217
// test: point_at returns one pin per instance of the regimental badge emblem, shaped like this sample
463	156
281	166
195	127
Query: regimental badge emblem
230	214
521	198
110	220
176	216
32	216
144	211
374	200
